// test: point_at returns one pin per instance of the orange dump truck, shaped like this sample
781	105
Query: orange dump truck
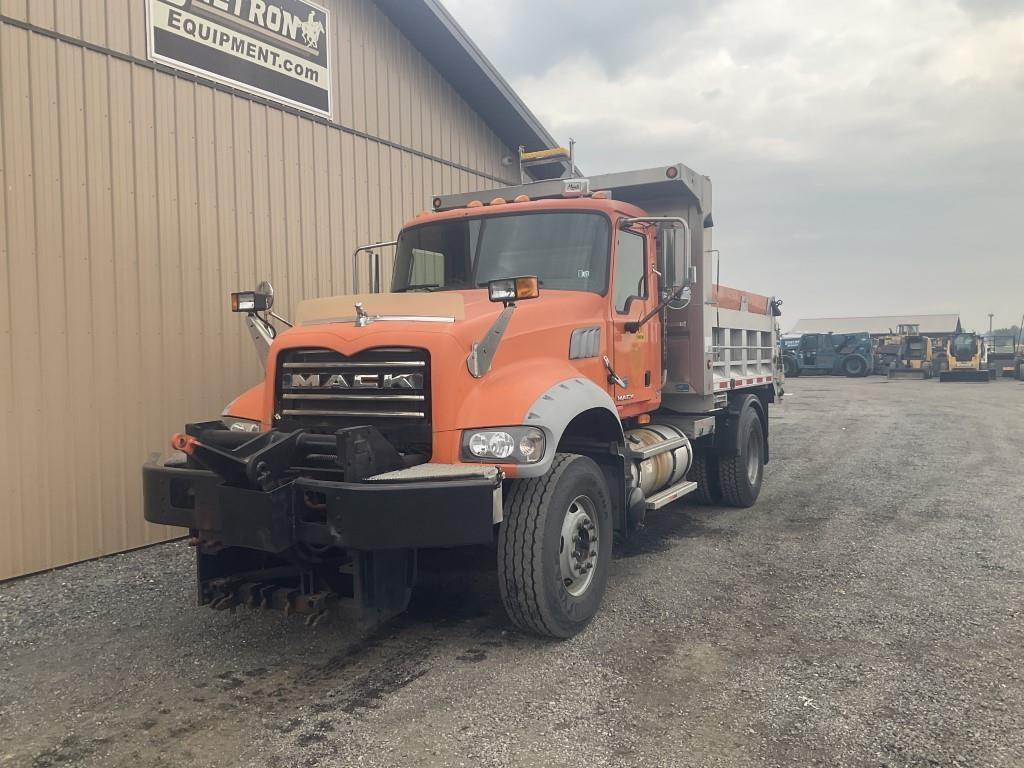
550	365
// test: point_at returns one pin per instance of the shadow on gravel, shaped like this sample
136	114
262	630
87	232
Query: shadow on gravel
661	529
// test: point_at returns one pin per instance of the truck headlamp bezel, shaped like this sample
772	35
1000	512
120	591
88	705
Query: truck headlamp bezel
481	445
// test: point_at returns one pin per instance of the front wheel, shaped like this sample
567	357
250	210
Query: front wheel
855	366
705	474
555	547
740	475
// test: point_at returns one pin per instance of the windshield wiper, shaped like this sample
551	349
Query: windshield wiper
540	283
420	287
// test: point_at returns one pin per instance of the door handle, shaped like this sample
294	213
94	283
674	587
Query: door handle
614	378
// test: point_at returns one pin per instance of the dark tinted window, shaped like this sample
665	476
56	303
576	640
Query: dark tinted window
567	251
964	346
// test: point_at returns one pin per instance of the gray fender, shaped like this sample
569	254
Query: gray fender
553	411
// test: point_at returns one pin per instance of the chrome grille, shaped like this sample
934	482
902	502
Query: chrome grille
323	390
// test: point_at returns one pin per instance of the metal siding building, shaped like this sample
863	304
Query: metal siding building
135	197
880	325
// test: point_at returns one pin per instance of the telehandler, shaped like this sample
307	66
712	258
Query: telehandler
547	368
829	354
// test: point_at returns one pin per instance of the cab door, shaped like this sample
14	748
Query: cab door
828	358
636	359
809	349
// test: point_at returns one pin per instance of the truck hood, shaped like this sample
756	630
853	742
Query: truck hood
465	316
532	357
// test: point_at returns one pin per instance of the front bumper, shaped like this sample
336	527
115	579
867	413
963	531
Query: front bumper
434	506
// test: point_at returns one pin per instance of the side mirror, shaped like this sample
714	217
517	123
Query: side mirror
678	271
511	289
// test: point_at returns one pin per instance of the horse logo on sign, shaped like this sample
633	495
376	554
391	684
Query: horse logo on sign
311	28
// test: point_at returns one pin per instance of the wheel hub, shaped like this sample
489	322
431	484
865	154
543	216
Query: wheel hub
578	550
753	456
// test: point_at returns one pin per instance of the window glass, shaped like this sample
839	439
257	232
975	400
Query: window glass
427	268
566	251
629	270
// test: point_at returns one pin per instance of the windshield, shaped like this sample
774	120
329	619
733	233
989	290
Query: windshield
566	251
1002	344
964	346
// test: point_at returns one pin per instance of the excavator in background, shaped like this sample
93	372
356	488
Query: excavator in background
914	355
968	359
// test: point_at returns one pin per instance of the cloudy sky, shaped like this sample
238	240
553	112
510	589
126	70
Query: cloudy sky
867	157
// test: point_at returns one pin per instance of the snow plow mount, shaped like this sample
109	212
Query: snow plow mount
264	460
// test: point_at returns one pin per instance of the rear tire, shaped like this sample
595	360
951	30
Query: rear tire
789	367
855	365
741	476
705	474
548	588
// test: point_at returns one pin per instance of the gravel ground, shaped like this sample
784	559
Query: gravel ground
867	612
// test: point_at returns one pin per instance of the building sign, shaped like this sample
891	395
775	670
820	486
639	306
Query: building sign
275	48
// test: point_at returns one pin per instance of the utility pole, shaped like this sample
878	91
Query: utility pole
990	316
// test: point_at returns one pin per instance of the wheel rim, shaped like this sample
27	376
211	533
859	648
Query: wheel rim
578	550
753	456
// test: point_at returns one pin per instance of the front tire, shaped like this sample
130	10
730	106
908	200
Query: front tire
741	476
705	474
555	547
855	366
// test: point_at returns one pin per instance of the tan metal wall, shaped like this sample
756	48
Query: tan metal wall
133	200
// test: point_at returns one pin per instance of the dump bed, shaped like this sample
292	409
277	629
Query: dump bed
725	338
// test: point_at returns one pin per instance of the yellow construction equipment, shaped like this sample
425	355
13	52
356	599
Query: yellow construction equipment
914	355
968	359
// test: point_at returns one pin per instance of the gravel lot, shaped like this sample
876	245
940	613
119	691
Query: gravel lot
868	611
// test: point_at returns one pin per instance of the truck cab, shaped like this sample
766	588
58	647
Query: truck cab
548	365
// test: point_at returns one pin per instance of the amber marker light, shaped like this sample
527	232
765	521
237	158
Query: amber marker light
527	287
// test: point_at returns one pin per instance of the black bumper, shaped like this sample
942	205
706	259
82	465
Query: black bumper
363	516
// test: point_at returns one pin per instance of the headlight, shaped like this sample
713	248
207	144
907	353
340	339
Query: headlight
510	445
240	425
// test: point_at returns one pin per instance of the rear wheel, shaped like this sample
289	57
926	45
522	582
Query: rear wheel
855	365
789	367
555	546
740	475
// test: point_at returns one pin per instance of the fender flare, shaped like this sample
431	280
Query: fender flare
553	411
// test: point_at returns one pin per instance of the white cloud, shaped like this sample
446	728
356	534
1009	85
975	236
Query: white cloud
855	147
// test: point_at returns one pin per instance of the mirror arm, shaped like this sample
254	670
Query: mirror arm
682	291
279	318
374	263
